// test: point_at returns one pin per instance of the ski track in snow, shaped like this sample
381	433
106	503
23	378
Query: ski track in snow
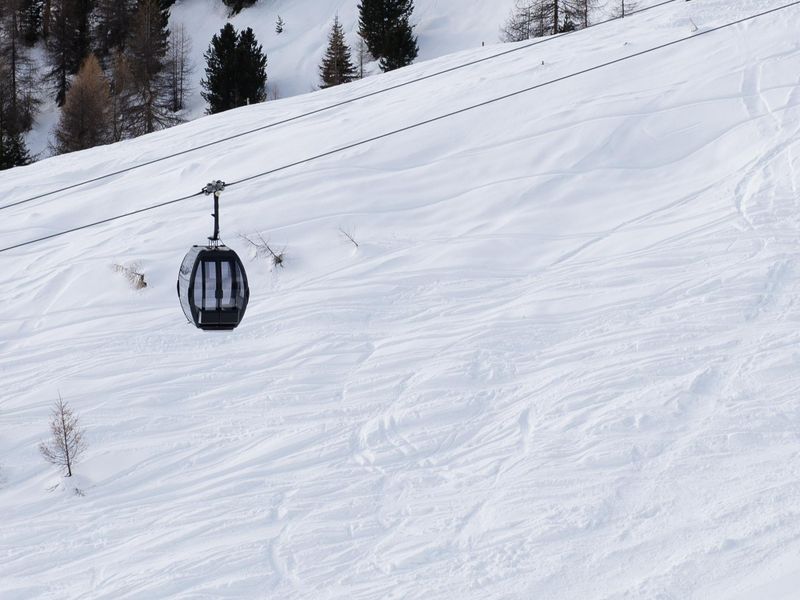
561	363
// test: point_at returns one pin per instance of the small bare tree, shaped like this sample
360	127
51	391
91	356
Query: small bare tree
66	444
348	235
133	273
179	66
264	250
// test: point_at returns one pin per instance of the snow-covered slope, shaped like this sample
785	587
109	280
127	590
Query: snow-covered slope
442	27
294	56
561	363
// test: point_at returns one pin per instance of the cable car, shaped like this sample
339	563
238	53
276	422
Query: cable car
212	282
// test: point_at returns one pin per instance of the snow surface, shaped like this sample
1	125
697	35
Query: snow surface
561	363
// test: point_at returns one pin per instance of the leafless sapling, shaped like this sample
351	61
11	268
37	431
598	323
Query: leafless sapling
263	249
133	273
67	442
348	235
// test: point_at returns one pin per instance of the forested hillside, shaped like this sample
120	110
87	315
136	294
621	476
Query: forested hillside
153	56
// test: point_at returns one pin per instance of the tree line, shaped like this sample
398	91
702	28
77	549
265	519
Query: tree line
117	71
537	18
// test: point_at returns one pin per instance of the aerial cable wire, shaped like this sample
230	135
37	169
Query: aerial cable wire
321	110
421	123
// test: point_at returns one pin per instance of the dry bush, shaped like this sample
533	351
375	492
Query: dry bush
264	250
133	274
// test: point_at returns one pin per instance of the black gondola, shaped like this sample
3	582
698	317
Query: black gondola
212	282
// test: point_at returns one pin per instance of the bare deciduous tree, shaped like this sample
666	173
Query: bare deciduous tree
86	117
263	249
348	235
67	443
179	66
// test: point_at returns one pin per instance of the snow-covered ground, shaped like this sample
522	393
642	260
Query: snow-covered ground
562	362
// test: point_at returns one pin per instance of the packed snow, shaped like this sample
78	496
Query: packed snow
561	362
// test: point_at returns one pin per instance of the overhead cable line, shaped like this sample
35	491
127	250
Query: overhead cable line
320	110
425	122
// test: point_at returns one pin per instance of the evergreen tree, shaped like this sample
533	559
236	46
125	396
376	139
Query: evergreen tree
68	40
251	65
279	24
337	66
386	27
112	25
13	151
220	83
401	46
235	70
86	119
18	71
237	6
372	21
30	20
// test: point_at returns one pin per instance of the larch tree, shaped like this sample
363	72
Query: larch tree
179	66
146	51
67	442
86	118
123	98
337	67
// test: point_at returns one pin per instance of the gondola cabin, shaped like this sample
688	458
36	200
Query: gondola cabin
212	287
212	283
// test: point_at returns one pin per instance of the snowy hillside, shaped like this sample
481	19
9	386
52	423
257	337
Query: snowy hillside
562	362
294	56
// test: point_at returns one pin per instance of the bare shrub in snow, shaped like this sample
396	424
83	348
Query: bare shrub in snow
133	274
264	250
348	235
66	442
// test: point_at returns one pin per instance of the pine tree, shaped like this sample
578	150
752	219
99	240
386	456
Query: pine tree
112	25
18	72
86	119
236	6
372	21
235	70
68	40
251	64
279	24
386	27
337	66
30	20
13	151
401	46
220	83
